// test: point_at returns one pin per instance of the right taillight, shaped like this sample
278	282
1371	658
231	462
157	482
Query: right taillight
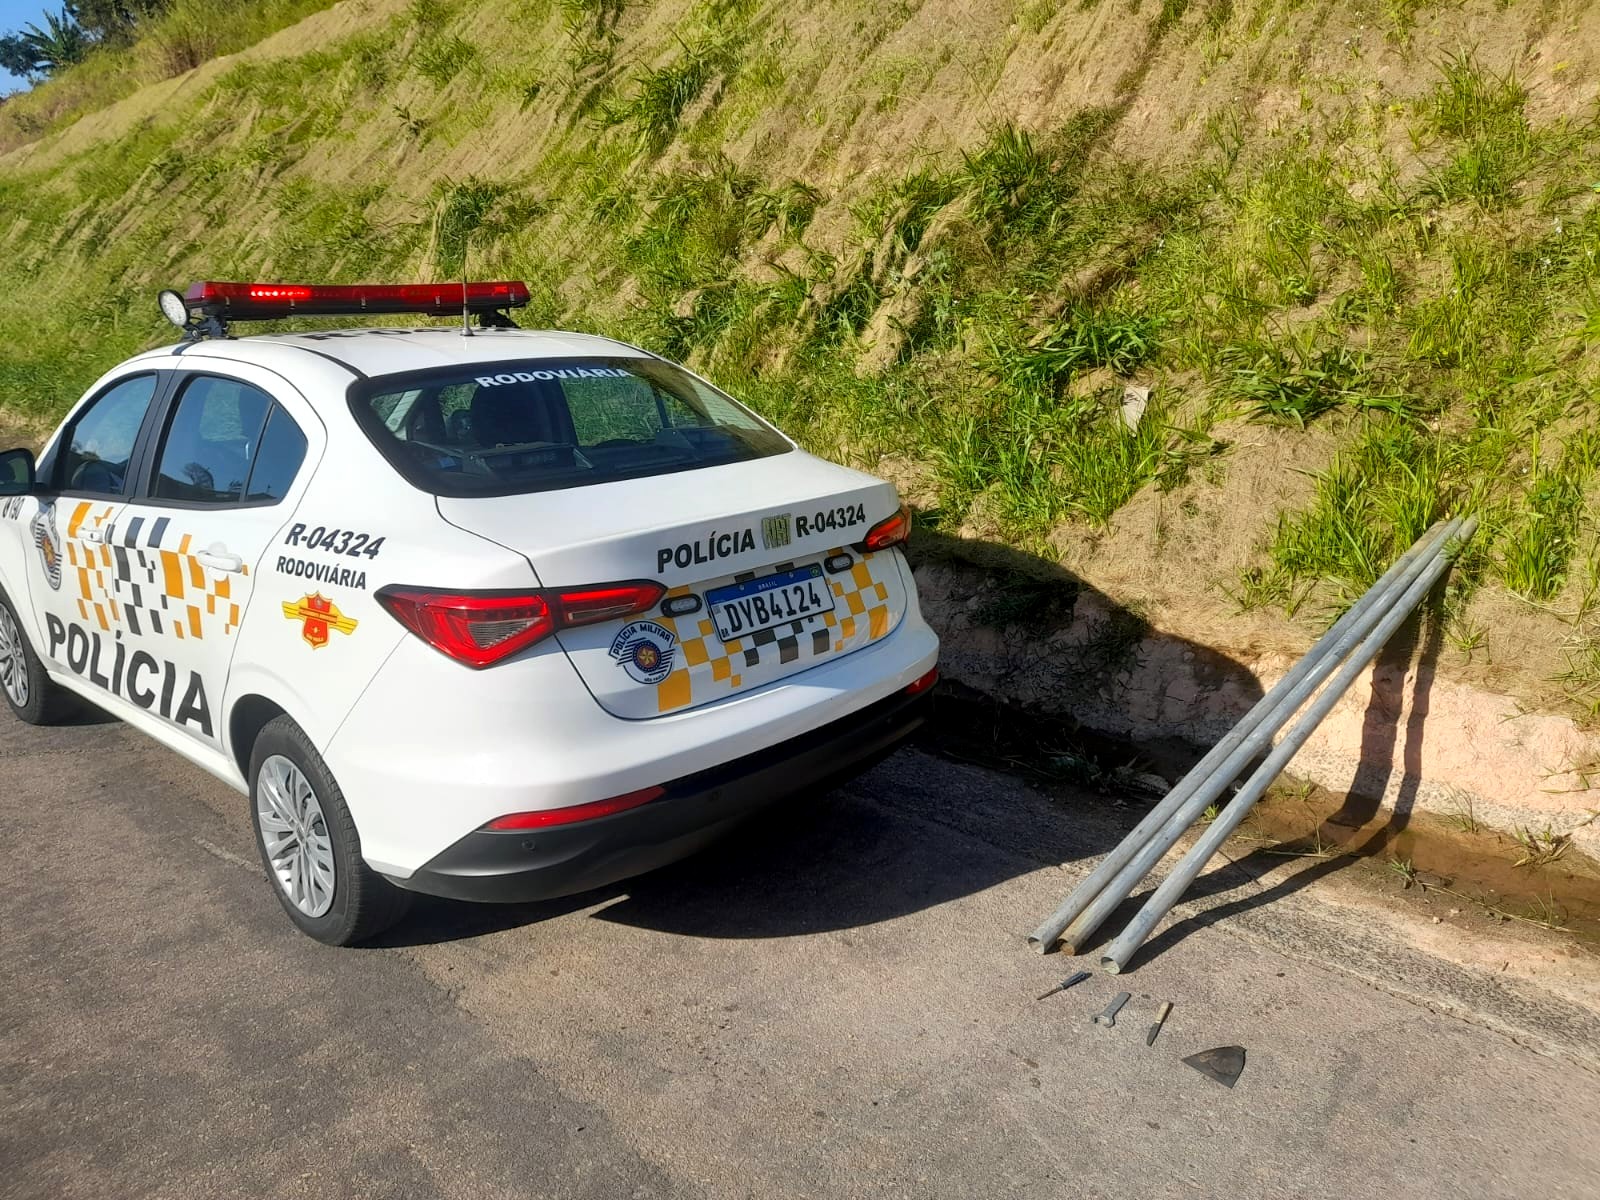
482	628
893	530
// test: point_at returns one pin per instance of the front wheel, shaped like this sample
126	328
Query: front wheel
309	844
28	690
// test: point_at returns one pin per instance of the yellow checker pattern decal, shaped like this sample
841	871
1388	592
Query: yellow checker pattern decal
142	577
865	609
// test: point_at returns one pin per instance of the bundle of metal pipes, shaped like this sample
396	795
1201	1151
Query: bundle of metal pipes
1354	641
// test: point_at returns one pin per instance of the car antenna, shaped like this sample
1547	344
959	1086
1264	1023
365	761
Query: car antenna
466	316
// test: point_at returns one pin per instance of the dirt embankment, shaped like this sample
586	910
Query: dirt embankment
1406	737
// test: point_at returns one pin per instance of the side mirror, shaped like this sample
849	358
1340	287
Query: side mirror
16	472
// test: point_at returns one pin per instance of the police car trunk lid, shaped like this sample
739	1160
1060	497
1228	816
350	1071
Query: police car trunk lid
759	559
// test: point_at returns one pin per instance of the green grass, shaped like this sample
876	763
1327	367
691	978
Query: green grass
1539	543
658	97
1084	338
183	36
976	311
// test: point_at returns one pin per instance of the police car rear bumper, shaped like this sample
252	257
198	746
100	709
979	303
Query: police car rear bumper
538	864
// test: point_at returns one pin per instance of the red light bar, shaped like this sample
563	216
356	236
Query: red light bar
268	301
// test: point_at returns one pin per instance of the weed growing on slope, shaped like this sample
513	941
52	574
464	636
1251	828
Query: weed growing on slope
592	41
595	18
1301	378
660	95
1022	186
1084	338
441	59
697	222
472	213
787	208
1538	546
1469	102
326	231
1483	114
1539	847
1373	502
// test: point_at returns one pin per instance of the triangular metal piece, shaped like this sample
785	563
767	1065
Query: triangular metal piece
1222	1064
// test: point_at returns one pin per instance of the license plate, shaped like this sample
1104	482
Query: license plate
745	608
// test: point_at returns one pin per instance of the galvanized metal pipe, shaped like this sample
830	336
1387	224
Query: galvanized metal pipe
1246	739
1256	742
1120	951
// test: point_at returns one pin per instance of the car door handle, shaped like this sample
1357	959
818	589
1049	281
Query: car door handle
218	559
93	534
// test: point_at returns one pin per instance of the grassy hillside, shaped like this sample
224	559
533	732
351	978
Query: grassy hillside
1350	247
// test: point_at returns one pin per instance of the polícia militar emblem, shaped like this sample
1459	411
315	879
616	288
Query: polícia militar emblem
645	651
49	543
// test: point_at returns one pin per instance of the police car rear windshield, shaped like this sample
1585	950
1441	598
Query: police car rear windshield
504	428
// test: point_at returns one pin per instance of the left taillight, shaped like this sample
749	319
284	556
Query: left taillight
893	530
483	628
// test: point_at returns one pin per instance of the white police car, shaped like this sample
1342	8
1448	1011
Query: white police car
498	617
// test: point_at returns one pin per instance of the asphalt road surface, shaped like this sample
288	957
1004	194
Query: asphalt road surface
838	1002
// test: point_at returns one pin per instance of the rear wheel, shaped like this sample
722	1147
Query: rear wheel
27	689
309	844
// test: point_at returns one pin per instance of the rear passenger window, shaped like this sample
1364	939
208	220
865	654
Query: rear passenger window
227	442
283	449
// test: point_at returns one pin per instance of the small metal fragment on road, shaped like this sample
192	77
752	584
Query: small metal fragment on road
1072	980
1161	1015
1223	1064
1109	1017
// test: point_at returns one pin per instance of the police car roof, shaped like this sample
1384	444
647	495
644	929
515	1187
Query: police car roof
377	352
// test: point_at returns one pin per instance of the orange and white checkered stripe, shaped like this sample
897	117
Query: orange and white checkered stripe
706	668
132	579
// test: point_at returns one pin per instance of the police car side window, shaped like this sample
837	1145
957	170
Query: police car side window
211	441
97	450
283	449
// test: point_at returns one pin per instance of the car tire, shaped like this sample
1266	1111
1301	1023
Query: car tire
309	845
29	692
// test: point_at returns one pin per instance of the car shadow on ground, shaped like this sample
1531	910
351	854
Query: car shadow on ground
910	834
79	711
862	854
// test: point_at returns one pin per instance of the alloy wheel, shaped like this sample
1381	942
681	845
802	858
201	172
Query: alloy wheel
294	833
13	661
